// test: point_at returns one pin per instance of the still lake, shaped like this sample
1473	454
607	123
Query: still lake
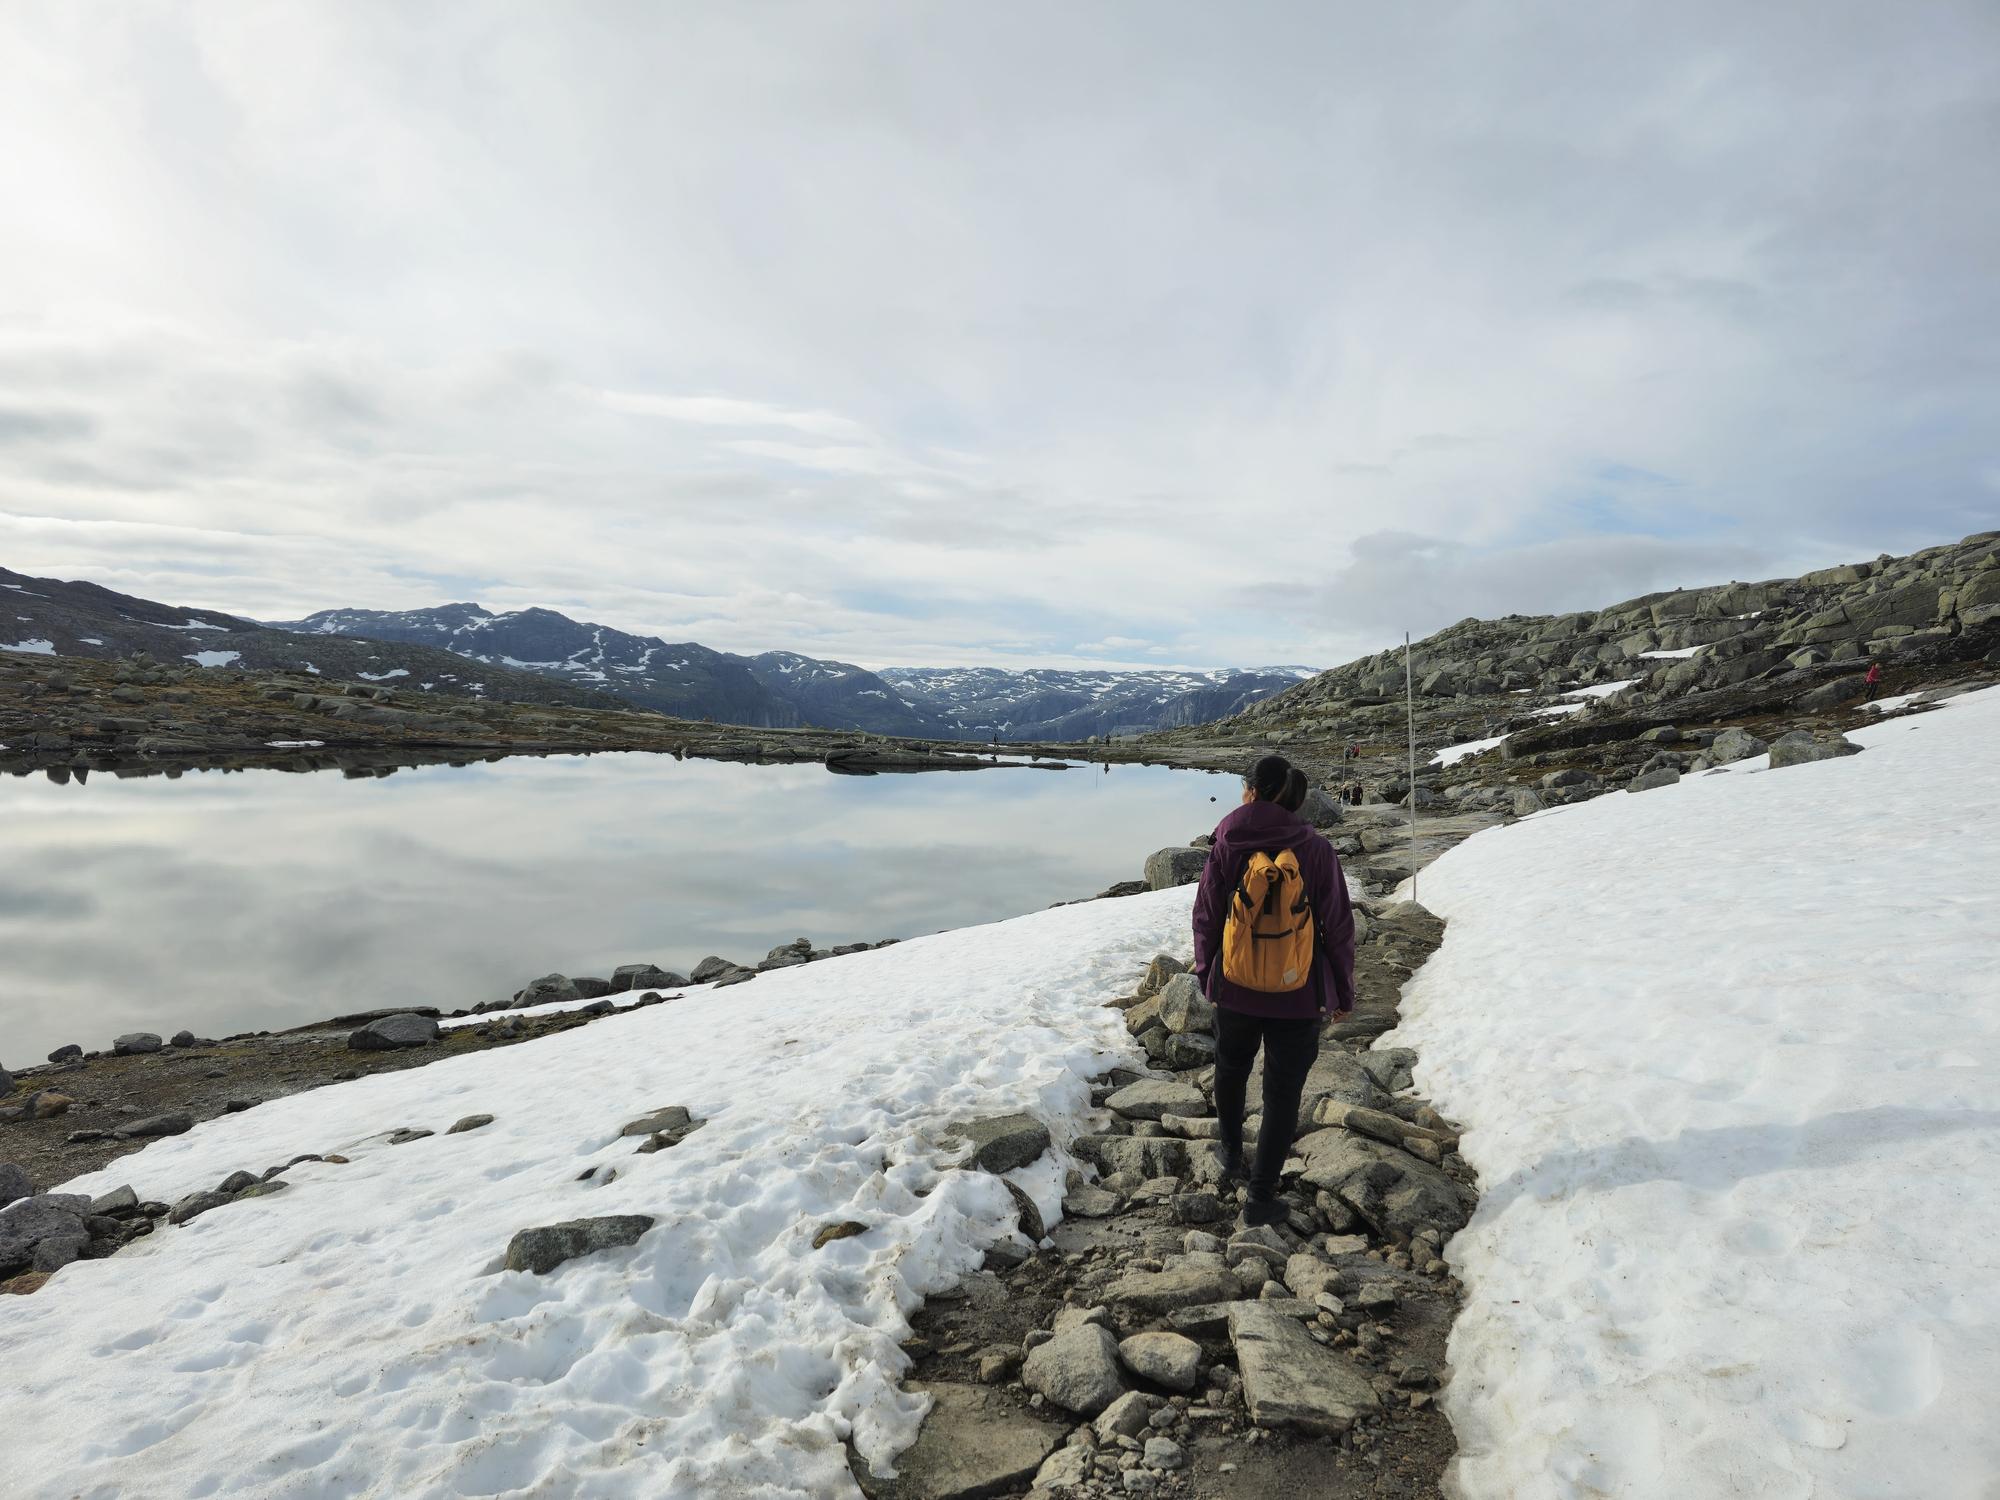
226	902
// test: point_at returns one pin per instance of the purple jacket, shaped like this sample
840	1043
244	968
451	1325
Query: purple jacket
1267	826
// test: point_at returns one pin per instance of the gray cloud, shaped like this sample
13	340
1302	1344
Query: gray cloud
915	333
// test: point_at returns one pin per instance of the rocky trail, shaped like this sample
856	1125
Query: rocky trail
1153	1345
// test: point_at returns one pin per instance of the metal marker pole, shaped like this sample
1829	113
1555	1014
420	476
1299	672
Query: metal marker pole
1410	700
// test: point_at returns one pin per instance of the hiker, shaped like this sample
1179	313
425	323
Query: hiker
1274	953
1874	680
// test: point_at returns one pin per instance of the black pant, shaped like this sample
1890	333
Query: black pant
1290	1048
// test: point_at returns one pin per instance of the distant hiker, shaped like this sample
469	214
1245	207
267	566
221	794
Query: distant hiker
1874	680
1274	953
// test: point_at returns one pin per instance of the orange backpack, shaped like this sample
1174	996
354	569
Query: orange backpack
1267	938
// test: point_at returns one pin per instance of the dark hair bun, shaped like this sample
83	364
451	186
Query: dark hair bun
1270	777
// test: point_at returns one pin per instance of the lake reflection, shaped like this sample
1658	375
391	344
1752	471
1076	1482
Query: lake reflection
262	900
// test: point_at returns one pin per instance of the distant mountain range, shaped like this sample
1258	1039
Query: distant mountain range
51	617
780	689
540	656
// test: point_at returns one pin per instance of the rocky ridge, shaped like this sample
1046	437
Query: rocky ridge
1524	712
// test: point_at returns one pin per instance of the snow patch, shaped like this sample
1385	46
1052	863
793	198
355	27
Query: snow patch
383	676
1740	1189
1451	755
721	1355
32	648
212	658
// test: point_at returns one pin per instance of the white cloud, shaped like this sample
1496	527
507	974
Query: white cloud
972	334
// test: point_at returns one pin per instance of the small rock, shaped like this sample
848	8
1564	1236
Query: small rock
660	1121
470	1122
69	1052
404	1136
1126	1417
1196	1208
540	1250
1163	1453
236	1182
845	1230
183	1039
136	1043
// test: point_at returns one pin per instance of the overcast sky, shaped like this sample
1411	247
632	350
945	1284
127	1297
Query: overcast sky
1021	333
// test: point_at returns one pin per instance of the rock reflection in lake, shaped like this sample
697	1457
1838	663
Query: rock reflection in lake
239	900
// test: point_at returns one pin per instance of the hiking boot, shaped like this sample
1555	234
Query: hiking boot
1263	1212
1232	1162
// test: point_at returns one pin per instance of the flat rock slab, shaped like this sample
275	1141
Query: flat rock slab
1150	1098
973	1445
1393	1191
1290	1381
1155	1293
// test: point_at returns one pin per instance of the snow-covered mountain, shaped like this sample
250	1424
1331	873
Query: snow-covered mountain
679	678
1051	704
783	688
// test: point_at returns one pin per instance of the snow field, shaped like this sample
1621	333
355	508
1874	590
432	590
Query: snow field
1728	1055
356	1335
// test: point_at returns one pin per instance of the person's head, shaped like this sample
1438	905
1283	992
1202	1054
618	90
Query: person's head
1274	779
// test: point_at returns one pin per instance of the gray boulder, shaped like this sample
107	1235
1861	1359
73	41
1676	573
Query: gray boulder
27	1224
547	990
542	1249
673	1117
1000	1143
1320	808
1734	744
6	1083
15	1184
1166	868
643	977
183	1039
1800	747
392	1032
1184	1008
1525	801
591	989
1290	1381
68	1052
1664	776
155	1125
1077	1370
710	968
1832	694
1145	1156
136	1043
1167	1359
